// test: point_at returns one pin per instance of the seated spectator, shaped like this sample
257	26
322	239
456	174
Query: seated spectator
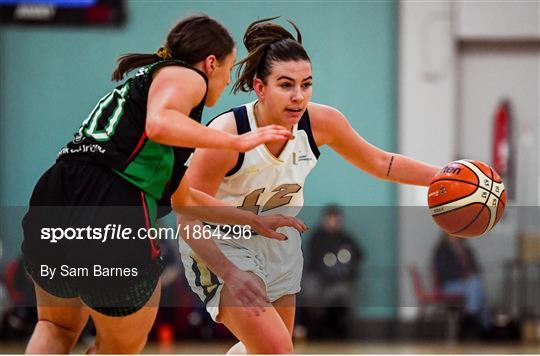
458	272
332	269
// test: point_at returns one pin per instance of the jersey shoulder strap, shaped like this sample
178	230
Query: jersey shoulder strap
196	112
305	124
242	126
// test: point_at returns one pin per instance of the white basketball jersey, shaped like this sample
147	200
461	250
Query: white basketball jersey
263	183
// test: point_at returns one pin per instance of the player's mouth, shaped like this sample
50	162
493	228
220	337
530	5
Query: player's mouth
294	111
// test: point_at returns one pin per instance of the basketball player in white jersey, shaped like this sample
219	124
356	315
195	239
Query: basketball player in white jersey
270	179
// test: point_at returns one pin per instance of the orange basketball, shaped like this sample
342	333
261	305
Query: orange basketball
466	198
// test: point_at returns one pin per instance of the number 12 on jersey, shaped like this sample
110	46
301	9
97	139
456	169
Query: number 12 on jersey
280	198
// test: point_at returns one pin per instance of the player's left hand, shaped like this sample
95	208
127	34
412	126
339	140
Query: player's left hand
254	138
267	225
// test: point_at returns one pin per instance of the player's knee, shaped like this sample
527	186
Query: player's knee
283	346
120	345
135	346
67	335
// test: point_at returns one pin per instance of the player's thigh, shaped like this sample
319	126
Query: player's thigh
286	308
68	313
263	333
118	334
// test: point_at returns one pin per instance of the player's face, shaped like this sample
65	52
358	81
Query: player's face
220	78
287	91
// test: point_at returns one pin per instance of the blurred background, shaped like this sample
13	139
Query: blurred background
435	80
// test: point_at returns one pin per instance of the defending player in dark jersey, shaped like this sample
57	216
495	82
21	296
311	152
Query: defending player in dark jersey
114	135
130	153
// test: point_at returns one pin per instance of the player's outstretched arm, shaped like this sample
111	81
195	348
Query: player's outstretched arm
173	93
332	128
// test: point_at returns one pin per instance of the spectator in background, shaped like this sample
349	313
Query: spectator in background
18	310
333	266
458	272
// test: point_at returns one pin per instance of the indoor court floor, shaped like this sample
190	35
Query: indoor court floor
332	348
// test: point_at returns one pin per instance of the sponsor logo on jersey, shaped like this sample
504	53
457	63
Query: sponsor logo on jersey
252	169
83	148
299	157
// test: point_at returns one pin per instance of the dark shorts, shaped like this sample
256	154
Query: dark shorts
100	252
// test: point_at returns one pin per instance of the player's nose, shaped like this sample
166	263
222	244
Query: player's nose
297	95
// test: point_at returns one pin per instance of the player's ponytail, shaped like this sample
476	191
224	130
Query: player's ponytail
267	42
128	62
191	40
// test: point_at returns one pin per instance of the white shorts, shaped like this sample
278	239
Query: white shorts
278	263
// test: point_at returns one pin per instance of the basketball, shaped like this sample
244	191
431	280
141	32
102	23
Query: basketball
466	198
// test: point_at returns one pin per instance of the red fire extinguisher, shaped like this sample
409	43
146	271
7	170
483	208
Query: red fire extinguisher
503	147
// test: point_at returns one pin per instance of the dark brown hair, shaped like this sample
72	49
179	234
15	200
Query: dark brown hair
191	40
266	43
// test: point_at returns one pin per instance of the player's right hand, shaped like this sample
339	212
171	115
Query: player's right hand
267	225
254	138
246	288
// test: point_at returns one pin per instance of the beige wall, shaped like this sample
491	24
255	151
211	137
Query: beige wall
457	59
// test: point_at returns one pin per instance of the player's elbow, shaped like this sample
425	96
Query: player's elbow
154	128
180	201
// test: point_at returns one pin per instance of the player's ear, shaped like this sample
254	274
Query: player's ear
258	88
210	64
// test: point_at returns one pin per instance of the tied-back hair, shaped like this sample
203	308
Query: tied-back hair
266	43
191	40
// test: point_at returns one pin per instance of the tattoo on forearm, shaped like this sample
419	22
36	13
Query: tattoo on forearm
390	166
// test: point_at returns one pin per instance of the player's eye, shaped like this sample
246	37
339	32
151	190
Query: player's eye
307	85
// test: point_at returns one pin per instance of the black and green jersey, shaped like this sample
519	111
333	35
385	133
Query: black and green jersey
114	135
